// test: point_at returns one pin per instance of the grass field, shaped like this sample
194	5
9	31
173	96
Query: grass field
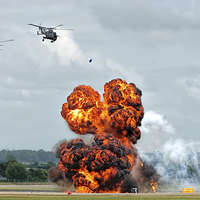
25	189
100	197
52	192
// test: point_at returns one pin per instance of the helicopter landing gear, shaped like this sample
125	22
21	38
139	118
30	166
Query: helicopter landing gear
42	39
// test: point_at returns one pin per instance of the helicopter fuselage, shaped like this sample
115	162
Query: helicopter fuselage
48	32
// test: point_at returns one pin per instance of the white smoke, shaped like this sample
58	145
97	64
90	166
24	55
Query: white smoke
67	49
176	160
155	131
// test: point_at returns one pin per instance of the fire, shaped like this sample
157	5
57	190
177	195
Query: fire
105	165
153	185
121	110
98	167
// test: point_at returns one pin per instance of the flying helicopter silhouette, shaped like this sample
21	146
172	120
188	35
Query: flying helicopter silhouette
48	33
5	41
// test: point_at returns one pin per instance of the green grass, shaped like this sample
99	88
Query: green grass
25	183
101	197
32	189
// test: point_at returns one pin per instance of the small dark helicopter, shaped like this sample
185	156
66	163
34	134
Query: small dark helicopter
48	32
5	41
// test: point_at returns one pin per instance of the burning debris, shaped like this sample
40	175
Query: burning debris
110	163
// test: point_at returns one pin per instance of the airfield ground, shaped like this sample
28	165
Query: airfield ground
49	190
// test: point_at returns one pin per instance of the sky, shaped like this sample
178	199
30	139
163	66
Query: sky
154	44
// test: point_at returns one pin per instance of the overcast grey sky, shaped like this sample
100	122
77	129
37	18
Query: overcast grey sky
154	44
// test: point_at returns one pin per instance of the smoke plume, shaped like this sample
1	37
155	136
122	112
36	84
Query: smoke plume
110	163
176	160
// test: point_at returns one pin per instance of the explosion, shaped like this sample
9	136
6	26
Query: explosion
107	164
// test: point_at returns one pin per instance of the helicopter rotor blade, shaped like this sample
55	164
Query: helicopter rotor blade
6	41
63	29
35	25
57	26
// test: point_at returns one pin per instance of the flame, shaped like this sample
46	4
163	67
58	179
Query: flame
84	189
121	110
153	185
103	166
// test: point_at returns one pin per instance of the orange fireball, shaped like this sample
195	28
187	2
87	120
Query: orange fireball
121	110
105	165
100	167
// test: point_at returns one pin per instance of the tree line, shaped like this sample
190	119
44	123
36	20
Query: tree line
12	170
40	156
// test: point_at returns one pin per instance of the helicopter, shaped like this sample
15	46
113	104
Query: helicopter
48	32
5	41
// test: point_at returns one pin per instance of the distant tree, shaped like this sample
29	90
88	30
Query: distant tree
3	169
48	165
3	166
10	157
30	155
37	175
3	154
16	170
35	164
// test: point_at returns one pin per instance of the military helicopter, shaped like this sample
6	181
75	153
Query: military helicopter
48	32
5	41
